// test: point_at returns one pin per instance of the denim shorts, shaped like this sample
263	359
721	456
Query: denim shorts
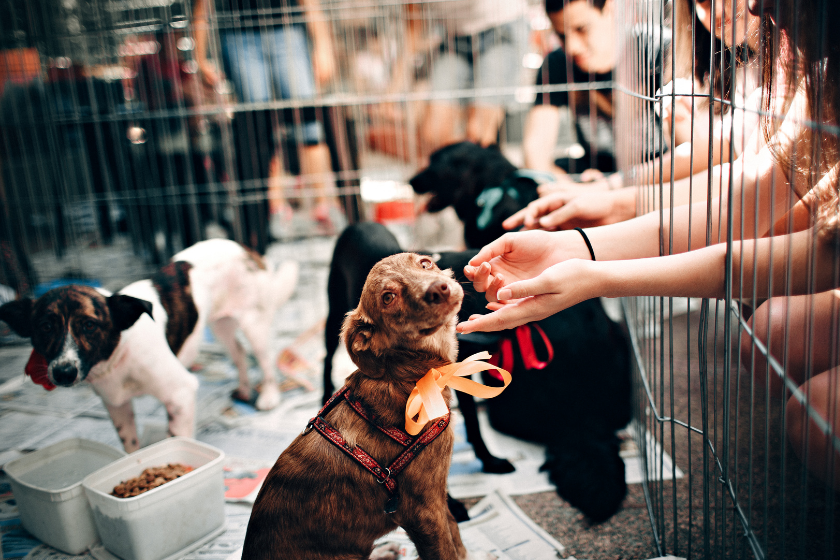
490	59
270	64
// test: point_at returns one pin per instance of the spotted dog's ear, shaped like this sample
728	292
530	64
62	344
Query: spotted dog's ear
125	310
357	333
18	315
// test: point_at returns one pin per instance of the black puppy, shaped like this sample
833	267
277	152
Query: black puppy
482	186
574	406
358	248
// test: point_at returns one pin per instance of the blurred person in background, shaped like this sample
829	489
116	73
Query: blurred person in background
588	53
273	50
734	113
482	49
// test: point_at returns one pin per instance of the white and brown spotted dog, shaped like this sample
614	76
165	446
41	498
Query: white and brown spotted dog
83	334
318	502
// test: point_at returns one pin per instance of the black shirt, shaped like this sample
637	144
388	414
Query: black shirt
595	130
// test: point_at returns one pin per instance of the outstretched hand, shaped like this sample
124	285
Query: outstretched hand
557	288
521	273
567	210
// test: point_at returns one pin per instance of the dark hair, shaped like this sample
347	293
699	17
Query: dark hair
552	6
706	56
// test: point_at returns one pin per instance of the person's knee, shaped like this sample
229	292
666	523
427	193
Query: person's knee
484	123
768	324
438	128
808	440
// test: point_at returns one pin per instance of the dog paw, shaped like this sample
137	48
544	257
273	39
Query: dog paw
269	397
495	465
387	551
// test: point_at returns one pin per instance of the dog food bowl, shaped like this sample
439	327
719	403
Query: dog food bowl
170	520
47	485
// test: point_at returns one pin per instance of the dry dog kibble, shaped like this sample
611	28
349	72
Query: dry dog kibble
148	479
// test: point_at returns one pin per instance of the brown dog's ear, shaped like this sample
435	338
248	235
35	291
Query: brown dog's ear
17	314
125	310
357	333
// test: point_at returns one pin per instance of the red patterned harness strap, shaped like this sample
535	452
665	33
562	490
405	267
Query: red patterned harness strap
383	475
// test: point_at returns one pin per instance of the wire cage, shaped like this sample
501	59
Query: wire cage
739	391
130	129
140	122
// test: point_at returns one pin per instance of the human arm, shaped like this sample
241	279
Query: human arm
572	208
600	203
793	264
201	27
323	52
542	125
754	175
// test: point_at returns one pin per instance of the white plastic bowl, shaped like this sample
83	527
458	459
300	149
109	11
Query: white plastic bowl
47	485
167	521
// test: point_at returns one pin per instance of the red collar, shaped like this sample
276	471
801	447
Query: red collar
37	369
384	475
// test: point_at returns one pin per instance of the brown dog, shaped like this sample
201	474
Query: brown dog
318	502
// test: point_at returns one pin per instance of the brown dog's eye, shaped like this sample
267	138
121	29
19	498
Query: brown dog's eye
88	326
387	298
426	263
45	327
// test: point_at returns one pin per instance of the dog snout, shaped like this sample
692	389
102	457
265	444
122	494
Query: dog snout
64	374
438	292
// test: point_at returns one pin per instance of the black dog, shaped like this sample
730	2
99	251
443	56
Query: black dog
482	186
574	406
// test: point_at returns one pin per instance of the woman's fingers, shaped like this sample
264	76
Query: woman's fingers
522	289
516	220
507	316
529	217
480	276
557	219
495	249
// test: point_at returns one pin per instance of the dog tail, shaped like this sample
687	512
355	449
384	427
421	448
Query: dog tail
588	473
284	282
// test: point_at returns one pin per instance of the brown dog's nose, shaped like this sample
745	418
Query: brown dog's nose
437	293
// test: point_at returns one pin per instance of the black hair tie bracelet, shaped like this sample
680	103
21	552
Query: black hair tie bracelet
588	244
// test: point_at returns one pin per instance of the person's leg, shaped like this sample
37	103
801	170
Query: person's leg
801	333
440	124
246	67
497	65
483	123
294	79
810	442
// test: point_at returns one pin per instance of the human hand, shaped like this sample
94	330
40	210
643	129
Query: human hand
521	256
590	180
210	73
567	210
677	111
323	62
557	288
562	185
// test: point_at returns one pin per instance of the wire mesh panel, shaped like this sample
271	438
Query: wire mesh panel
740	390
150	125
130	129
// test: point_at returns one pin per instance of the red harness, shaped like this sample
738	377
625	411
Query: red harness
383	475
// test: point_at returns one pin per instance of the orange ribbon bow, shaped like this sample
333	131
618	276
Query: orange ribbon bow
426	401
